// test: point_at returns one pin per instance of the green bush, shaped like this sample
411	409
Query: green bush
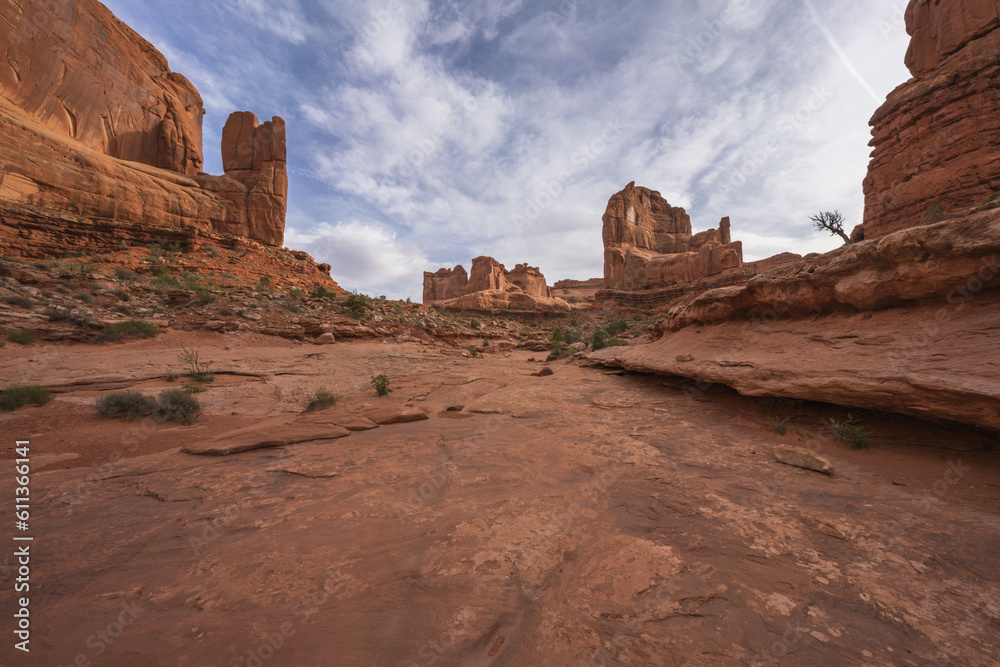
123	273
19	301
603	339
559	351
17	395
568	337
357	305
176	405
120	331
227	311
121	295
473	352
616	327
851	431
475	323
126	405
381	384
85	297
321	400
323	293
22	337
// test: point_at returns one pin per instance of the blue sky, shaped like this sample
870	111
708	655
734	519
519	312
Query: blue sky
423	133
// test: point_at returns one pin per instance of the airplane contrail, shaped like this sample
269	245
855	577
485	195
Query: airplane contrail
818	20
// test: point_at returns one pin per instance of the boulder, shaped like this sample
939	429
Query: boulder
802	458
324	339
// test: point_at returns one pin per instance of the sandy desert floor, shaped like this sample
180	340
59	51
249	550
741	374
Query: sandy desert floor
590	517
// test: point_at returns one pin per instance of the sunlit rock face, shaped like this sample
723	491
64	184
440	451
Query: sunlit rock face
937	137
97	133
648	243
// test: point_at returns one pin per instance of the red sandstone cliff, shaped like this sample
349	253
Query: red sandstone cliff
101	141
491	286
937	137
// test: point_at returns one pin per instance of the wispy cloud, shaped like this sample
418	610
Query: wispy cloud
423	133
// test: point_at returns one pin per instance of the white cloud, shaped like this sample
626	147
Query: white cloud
444	129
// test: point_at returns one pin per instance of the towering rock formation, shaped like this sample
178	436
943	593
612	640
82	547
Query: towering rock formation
905	319
648	243
937	137
100	141
491	286
445	284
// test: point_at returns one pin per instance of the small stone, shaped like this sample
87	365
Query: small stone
683	358
324	339
803	458
545	372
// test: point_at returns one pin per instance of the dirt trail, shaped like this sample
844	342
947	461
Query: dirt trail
585	518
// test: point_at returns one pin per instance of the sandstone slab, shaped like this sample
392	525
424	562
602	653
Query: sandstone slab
803	458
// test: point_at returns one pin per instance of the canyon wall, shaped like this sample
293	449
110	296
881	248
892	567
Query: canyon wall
648	244
937	137
904	319
101	142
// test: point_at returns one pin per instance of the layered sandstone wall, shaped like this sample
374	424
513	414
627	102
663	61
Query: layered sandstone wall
648	244
96	132
937	137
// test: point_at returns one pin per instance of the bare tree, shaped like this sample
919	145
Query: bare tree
831	221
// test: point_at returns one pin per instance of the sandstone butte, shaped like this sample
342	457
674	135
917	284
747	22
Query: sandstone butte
103	145
904	321
491	287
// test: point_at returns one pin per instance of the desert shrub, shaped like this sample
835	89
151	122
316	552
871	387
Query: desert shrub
227	311
851	431
193	389
198	370
264	284
85	297
126	405
934	212
568	337
616	327
22	337
296	293
323	293
473	352
120	294
475	323
321	400
171	377
381	384
559	351
602	339
19	301
177	405
204	296
123	273
357	305
58	314
779	426
123	309
120	331
18	395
